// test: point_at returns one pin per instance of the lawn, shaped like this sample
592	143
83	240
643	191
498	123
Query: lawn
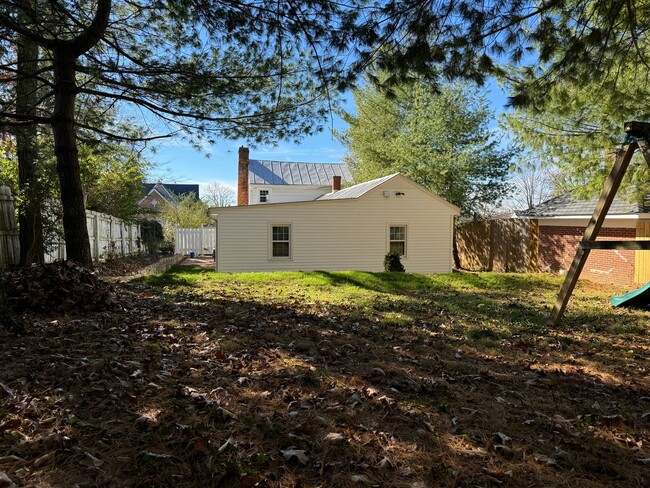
330	379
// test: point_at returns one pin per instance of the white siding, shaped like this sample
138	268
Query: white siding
286	193
340	234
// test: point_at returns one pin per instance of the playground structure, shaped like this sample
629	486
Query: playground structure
637	137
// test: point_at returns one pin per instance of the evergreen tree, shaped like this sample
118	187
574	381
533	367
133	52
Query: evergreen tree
577	129
441	139
266	70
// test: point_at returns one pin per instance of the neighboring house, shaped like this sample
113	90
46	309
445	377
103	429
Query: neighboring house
280	181
343	229
156	194
562	222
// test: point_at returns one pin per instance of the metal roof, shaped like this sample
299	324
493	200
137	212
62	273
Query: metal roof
568	205
357	190
290	173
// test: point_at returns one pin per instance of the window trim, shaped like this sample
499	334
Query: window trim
405	241
271	257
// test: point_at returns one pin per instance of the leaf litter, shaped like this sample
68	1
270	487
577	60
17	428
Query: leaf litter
228	386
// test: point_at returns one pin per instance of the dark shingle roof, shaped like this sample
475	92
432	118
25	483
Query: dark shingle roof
290	173
172	188
568	205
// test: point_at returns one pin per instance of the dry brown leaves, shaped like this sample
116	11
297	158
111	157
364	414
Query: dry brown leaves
62	287
182	389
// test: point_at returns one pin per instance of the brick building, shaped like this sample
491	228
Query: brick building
562	221
156	195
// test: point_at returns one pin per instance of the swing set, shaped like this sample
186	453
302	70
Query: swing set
637	137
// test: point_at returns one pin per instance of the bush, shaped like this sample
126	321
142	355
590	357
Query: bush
167	248
151	233
393	263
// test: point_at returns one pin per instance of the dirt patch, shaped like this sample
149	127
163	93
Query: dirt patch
127	265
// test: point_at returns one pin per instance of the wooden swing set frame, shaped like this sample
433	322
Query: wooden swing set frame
638	137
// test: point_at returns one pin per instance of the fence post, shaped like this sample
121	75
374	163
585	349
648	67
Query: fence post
9	245
96	231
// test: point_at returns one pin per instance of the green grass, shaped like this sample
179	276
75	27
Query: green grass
485	307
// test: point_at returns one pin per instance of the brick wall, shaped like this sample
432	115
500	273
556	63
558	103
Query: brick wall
558	244
242	177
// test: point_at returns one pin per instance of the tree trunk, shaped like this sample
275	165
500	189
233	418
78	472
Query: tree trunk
30	219
77	243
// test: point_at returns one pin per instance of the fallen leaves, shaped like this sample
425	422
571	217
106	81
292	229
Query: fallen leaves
293	454
61	286
207	387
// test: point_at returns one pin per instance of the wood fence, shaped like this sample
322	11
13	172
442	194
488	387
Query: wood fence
201	241
502	246
642	258
9	244
109	236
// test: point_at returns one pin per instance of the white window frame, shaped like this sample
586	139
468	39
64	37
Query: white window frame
406	238
268	195
271	241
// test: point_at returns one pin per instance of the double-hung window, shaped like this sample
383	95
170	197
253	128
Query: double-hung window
281	241
264	196
397	239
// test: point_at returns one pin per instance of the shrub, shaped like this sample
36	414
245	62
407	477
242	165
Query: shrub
167	248
393	263
152	235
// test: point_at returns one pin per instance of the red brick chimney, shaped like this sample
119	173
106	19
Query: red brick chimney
242	180
336	183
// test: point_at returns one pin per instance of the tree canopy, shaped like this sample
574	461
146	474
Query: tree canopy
112	176
188	213
269	70
441	139
577	129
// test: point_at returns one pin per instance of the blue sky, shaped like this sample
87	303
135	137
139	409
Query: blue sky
178	162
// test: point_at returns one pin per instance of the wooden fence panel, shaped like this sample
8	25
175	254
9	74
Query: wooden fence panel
201	241
109	236
473	244
642	258
501	246
9	243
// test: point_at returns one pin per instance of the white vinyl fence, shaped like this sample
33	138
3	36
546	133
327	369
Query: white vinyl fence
200	241
109	236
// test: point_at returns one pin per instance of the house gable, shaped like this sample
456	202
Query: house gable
341	233
266	181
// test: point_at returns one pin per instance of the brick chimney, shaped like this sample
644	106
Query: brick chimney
242	179
336	183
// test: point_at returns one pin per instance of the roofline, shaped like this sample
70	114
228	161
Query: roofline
150	192
342	163
287	184
302	202
271	204
636	216
426	190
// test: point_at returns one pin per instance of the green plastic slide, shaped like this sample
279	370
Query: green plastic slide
639	298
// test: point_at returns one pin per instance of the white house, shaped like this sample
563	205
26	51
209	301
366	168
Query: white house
344	229
261	181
